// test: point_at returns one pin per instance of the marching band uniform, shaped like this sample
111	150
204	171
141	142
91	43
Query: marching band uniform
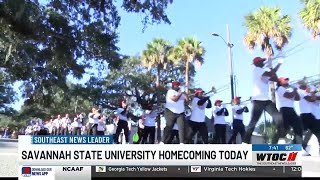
286	97
308	119
197	120
36	129
220	124
76	126
101	127
64	125
56	124
237	124
174	113
122	116
149	126
175	133
94	117
261	100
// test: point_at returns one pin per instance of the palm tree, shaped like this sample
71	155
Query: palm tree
264	26
156	56
189	51
310	16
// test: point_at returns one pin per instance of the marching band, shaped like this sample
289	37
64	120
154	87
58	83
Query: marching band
184	120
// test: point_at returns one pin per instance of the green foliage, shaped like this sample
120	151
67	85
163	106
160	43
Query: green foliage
186	53
265	25
42	43
156	54
310	16
267	130
6	121
7	94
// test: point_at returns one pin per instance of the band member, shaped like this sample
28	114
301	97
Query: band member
261	100
237	124
36	128
57	125
101	128
122	124
197	122
315	112
76	126
220	124
286	96
49	126
309	121
64	125
149	123
174	112
94	117
175	134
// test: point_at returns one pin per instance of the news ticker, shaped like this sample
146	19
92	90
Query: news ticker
91	172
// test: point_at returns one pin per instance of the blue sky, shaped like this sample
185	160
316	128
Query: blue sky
194	18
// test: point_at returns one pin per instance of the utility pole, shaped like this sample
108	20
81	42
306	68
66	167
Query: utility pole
230	45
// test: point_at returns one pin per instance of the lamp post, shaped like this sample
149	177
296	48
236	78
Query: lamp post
230	46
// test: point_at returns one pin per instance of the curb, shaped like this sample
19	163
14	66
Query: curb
8	140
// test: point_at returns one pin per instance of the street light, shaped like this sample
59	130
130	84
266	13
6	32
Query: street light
230	46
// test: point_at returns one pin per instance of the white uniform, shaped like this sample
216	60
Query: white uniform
101	126
260	85
175	107
218	119
198	112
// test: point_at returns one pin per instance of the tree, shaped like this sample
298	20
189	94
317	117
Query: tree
267	130
7	94
42	43
72	100
310	16
156	56
188	51
265	26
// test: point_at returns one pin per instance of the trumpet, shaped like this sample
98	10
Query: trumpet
188	109
209	93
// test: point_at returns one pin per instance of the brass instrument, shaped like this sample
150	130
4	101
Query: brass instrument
241	103
188	108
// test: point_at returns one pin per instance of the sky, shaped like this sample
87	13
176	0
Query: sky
194	18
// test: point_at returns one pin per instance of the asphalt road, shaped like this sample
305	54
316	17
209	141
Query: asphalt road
9	162
8	159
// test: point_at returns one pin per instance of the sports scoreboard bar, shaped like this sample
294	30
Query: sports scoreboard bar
195	171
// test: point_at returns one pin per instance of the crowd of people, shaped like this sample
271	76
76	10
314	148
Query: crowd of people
183	128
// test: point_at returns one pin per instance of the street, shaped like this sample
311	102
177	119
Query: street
9	161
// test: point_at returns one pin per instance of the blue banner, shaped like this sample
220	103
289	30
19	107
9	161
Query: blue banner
276	147
71	140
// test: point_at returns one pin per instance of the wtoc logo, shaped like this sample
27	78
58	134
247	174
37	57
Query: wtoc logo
288	158
195	168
